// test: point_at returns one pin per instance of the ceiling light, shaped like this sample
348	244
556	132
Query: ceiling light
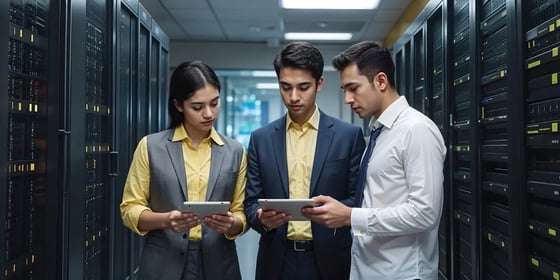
330	4
318	36
263	73
267	86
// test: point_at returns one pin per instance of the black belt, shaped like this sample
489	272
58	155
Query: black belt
300	245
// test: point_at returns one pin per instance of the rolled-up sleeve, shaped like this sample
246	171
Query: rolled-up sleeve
136	193
239	196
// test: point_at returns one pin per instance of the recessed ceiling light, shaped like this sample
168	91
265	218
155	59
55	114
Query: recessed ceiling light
318	36
267	86
330	4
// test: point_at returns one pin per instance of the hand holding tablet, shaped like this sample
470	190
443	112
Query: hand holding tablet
206	208
289	206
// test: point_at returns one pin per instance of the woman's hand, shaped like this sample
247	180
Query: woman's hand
224	223
182	221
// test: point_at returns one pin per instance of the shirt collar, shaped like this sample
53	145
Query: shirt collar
390	115
180	134
313	121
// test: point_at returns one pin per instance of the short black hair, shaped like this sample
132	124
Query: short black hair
186	79
300	55
370	57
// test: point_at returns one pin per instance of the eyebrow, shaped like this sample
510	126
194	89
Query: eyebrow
347	85
300	84
201	103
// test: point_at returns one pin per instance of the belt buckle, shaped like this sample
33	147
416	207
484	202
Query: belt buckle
296	248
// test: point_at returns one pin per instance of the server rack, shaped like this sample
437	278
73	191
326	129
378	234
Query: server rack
542	40
463	140
29	203
60	206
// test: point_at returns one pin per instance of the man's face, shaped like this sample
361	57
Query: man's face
299	91
361	94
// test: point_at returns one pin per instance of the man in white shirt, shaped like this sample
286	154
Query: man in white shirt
395	227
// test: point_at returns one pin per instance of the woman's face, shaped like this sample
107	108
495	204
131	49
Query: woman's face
200	110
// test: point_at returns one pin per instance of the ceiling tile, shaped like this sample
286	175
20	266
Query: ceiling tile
183	4
249	4
192	14
246	14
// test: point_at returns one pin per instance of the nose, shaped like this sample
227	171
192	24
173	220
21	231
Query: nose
207	112
294	95
348	98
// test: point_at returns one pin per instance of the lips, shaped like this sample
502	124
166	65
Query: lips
208	123
296	107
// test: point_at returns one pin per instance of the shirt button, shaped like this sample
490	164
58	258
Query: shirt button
184	236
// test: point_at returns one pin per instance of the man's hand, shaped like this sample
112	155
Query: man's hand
272	219
330	212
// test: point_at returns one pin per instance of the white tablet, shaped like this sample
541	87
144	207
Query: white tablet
289	206
206	208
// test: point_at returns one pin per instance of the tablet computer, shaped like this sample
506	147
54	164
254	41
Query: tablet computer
206	208
289	206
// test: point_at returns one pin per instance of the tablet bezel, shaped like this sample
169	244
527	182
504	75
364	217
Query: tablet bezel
288	206
206	208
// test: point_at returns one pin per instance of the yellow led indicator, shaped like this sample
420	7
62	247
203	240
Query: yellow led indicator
87	243
93	237
14	267
528	45
552	231
32	38
555	275
482	111
531	227
468	148
502	73
555	52
558	22
551	27
32	258
32	167
554	127
19	106
534	64
30	107
86	148
489	236
503	244
529	132
36	107
554	78
535	262
534	43
21	33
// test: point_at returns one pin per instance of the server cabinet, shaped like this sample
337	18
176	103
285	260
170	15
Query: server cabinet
541	69
30	202
89	125
501	176
141	84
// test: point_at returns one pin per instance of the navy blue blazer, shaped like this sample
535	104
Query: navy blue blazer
335	169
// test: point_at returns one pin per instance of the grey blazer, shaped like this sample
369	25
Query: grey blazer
164	253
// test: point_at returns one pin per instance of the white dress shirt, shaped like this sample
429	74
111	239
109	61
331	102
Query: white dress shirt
396	230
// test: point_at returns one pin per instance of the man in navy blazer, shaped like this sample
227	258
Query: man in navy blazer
303	154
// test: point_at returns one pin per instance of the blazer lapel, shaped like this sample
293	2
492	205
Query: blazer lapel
279	147
325	136
216	161
175	152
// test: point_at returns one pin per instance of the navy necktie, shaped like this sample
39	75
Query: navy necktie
361	183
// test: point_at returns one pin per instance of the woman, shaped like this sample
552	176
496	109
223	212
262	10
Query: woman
190	161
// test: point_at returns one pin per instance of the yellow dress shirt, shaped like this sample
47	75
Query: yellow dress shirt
137	187
300	152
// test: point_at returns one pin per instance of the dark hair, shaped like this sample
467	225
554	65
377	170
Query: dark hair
300	55
186	79
370	57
